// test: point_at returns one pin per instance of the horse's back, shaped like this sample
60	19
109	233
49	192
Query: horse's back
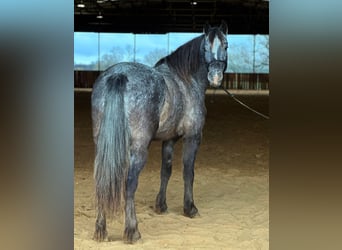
140	77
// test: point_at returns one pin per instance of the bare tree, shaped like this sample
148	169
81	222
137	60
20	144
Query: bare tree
115	55
250	59
153	57
240	60
262	54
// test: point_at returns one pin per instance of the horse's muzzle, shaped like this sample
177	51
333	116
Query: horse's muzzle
215	78
215	74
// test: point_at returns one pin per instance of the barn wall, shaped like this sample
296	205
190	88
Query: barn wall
255	81
249	81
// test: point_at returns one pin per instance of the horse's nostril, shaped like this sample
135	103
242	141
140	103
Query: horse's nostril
215	74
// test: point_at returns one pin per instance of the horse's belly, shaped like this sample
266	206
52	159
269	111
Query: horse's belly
169	119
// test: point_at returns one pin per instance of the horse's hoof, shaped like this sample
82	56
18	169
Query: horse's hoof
99	235
131	235
161	208
191	212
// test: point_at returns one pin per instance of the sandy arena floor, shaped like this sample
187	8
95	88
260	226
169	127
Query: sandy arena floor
231	187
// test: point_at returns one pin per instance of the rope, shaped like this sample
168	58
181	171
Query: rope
246	106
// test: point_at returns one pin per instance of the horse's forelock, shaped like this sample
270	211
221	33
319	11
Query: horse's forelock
215	32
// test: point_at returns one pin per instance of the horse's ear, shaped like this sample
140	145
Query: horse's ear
206	28
224	27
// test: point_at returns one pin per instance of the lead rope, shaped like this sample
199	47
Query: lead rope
246	106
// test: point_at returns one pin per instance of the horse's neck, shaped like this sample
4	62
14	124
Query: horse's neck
201	78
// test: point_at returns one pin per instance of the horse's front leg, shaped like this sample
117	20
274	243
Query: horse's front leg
165	173
190	147
137	162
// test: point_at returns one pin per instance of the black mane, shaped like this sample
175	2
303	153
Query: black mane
185	60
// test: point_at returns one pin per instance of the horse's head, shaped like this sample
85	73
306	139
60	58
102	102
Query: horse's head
215	46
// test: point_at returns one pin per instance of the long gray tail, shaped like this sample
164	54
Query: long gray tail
112	148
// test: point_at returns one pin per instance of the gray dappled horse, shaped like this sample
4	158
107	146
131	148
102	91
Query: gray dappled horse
133	104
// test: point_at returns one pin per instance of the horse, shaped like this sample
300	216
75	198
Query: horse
133	104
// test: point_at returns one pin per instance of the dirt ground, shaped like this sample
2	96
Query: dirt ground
231	186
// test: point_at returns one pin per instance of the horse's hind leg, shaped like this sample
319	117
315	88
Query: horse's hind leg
190	147
138	160
165	173
100	226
